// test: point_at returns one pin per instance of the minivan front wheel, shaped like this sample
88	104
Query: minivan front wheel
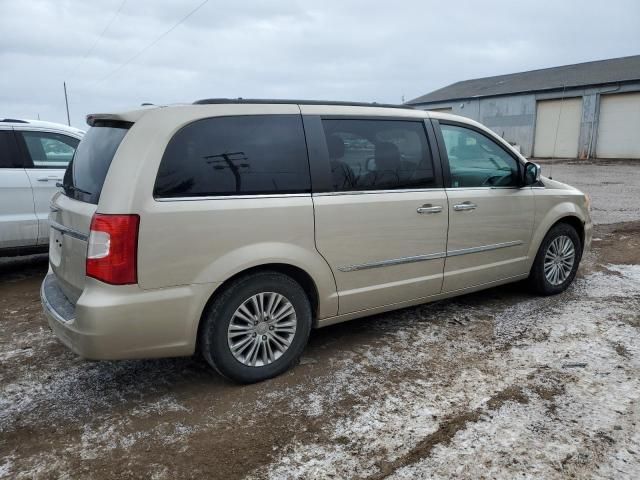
257	327
557	260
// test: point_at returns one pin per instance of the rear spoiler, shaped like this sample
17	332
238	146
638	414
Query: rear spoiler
128	117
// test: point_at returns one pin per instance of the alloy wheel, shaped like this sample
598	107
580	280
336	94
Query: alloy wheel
262	329
559	260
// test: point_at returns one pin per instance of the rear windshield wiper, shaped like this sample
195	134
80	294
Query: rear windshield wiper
72	188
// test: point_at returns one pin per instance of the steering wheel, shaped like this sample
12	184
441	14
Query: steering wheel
496	180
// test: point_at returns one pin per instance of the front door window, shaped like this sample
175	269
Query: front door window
477	161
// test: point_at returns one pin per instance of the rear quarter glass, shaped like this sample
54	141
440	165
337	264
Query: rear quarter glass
85	175
250	154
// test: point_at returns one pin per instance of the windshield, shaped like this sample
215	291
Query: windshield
85	175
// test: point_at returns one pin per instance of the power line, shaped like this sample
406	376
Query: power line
104	30
151	44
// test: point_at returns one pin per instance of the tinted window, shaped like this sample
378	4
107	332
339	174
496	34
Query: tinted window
262	154
49	150
85	176
378	154
477	161
9	156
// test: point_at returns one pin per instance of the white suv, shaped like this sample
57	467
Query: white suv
33	158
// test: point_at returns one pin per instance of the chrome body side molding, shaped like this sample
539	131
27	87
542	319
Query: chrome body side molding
432	256
68	231
483	248
394	261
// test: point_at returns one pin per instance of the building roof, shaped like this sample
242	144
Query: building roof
600	72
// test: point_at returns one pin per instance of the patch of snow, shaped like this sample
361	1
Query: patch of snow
318	462
6	468
583	328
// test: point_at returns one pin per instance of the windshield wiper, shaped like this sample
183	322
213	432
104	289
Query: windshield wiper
72	188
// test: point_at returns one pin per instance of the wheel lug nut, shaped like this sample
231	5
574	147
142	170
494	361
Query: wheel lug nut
271	327
254	334
256	322
264	337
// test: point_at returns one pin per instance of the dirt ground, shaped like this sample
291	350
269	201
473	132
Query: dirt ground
497	384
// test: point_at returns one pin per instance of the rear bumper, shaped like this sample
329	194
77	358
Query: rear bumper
60	313
122	322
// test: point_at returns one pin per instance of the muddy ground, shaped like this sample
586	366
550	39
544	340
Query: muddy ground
497	384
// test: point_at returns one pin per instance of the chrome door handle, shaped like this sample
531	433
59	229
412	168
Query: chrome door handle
461	207
428	208
46	179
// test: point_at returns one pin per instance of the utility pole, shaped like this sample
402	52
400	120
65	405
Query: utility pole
66	102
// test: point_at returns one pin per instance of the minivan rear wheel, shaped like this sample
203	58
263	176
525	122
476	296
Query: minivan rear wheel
257	327
557	260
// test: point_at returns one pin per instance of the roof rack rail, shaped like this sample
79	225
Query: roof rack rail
13	120
214	101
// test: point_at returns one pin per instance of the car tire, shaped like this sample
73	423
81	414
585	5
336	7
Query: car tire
551	273
227	336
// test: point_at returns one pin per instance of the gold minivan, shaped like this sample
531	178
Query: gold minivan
233	227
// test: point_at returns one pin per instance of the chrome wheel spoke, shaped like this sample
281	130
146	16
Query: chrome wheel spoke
253	353
235	326
262	329
291	329
283	312
241	345
263	350
237	333
269	350
244	314
272	299
281	342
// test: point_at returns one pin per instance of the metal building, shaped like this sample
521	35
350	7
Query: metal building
586	110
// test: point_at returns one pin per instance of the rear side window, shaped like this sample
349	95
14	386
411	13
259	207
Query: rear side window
262	154
378	154
9	156
85	175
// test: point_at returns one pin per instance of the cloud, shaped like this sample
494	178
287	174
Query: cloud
335	49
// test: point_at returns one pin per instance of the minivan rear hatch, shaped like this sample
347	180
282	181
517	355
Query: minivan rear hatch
74	207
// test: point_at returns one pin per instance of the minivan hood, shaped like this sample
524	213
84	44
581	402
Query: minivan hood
556	185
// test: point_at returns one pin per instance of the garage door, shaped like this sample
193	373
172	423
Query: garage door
558	128
619	126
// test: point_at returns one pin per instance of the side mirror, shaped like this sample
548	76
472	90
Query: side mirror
531	173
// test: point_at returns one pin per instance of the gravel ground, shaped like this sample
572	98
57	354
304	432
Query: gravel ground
498	384
614	187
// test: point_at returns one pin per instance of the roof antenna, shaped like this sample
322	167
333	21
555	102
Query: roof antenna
66	102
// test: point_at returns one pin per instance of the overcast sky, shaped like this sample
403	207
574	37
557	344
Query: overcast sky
337	49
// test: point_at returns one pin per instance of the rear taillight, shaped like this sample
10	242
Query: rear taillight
112	249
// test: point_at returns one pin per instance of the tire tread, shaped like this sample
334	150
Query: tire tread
214	313
537	280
